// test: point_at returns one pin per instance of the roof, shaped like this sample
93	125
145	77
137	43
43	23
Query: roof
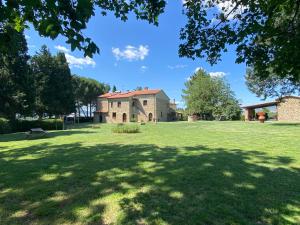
259	105
266	104
129	94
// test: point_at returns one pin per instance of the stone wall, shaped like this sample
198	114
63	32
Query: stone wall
162	107
142	111
289	109
123	108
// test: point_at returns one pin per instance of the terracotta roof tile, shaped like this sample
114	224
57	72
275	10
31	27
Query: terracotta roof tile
129	94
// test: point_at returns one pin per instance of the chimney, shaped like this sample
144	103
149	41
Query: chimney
174	100
146	88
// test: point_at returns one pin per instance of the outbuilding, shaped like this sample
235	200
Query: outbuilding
287	108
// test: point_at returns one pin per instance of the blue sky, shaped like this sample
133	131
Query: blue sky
135	53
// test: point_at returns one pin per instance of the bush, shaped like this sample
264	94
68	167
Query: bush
48	124
4	126
121	128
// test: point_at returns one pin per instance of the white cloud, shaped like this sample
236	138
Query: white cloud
144	68
198	68
31	46
131	53
217	74
79	62
76	62
226	6
27	36
62	48
178	66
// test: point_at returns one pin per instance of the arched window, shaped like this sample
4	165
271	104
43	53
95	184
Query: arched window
150	117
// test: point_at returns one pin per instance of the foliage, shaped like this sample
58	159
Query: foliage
114	89
86	91
4	126
126	128
46	124
53	83
217	173
16	81
138	88
211	97
266	33
69	18
272	86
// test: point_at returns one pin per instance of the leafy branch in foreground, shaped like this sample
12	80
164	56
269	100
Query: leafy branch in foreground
273	86
69	18
266	33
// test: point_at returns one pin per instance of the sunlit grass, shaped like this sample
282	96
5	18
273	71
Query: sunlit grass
168	173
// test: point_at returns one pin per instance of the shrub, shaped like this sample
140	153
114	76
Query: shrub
242	118
4	126
48	124
121	128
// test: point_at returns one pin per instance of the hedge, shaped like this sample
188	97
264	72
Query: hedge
5	126
25	125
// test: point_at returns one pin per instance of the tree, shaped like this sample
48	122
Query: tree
16	89
69	18
114	89
86	92
266	34
273	86
53	84
210	97
139	88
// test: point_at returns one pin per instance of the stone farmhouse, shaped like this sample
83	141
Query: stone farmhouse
288	109
134	106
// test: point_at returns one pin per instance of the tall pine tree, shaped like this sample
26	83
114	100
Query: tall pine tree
16	82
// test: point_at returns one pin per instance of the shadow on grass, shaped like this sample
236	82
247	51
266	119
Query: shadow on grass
146	184
286	124
21	136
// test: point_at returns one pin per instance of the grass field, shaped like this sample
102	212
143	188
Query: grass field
170	173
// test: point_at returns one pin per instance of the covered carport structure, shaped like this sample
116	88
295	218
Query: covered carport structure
250	109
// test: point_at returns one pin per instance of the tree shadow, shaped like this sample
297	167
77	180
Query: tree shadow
286	124
21	136
146	184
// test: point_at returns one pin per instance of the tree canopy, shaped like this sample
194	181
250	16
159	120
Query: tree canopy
273	86
210	97
265	32
16	81
69	18
53	83
86	91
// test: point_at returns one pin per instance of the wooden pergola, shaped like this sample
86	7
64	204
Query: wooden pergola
250	109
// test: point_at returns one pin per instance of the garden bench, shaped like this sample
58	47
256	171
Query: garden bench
36	133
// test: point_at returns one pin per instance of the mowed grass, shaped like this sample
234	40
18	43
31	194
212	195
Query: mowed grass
169	173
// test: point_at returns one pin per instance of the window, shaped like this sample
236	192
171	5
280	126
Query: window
114	115
145	102
133	103
161	115
132	116
111	104
119	104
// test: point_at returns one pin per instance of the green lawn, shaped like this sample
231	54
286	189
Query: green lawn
170	173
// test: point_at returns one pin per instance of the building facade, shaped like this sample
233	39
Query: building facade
288	109
134	106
